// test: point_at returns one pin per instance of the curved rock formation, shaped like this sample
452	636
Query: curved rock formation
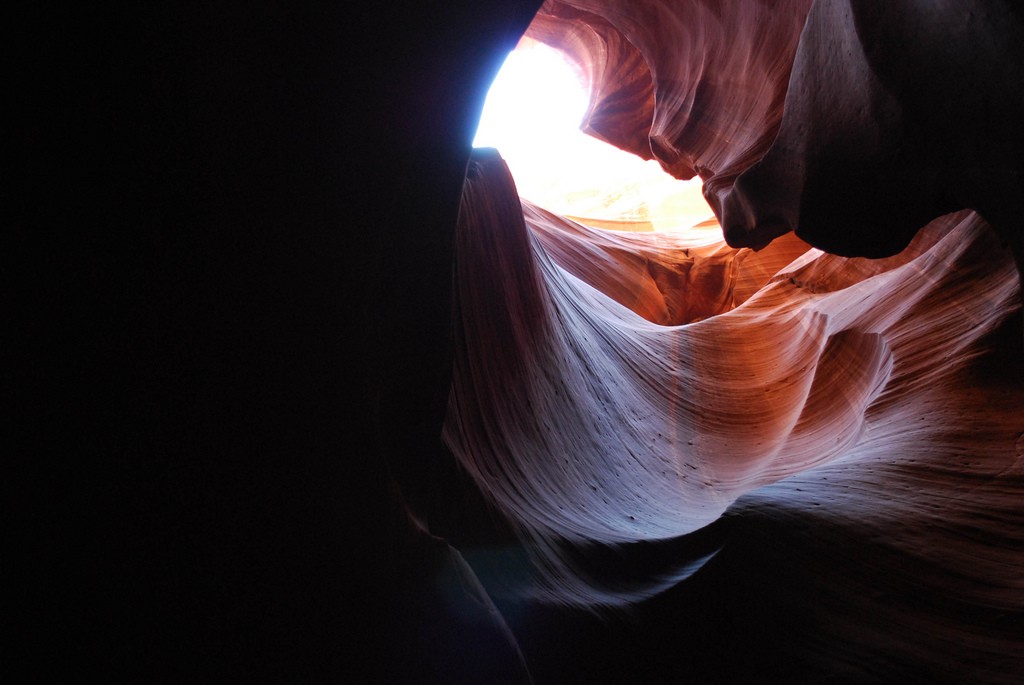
699	86
621	389
919	117
236	227
827	396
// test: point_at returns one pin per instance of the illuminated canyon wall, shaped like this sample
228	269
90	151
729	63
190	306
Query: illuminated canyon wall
311	393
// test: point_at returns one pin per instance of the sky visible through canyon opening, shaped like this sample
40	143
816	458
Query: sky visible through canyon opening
532	116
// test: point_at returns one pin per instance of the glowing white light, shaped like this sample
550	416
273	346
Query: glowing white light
536	101
532	116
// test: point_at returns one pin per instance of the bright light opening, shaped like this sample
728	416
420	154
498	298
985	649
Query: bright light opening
532	116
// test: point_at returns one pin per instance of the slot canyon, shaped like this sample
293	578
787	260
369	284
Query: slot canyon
303	390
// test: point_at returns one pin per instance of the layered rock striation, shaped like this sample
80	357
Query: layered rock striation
256	288
618	392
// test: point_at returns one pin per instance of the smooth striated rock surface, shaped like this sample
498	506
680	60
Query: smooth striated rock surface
698	85
839	396
705	436
258	284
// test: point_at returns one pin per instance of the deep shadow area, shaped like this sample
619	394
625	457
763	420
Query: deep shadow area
222	355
